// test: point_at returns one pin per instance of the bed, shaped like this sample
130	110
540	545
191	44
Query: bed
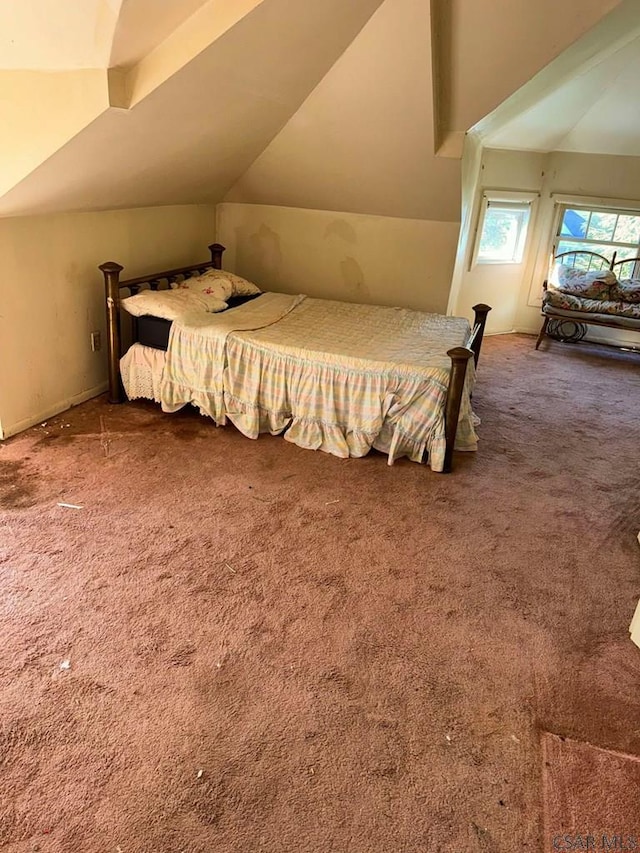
329	375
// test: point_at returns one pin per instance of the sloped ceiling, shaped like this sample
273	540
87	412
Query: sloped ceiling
50	35
363	140
188	140
485	51
596	112
66	35
144	24
54	79
192	114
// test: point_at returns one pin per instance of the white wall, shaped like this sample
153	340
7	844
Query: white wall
52	297
499	285
515	290
345	256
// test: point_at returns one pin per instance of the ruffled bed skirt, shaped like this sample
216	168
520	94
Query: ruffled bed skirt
393	427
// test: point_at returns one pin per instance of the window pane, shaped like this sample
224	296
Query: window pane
626	252
501	234
628	229
602	231
574	223
602	226
631	269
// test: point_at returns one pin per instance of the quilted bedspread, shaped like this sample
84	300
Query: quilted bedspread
338	377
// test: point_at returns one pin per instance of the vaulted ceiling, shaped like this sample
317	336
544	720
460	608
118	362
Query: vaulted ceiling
185	122
64	35
49	35
344	106
595	112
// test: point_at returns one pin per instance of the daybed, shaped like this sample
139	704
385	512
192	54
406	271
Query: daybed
331	375
585	289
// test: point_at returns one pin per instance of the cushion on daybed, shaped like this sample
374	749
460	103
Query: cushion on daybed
614	321
171	304
592	284
569	302
626	290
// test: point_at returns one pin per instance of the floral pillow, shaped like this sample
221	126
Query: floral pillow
218	287
240	286
592	284
626	290
220	282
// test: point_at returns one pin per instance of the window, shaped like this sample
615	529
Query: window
502	227
602	230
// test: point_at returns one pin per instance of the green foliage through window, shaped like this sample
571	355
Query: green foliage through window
598	230
504	230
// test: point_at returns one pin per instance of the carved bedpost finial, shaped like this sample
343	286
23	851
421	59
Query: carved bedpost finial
111	272
481	310
111	267
216	250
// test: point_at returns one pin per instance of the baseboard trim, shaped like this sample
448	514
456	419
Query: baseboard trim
54	410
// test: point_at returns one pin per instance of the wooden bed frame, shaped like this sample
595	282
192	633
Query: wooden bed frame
113	285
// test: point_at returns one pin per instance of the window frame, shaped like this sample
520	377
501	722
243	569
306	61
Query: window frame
523	201
549	223
586	243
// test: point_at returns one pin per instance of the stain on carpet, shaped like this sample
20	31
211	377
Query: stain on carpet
17	485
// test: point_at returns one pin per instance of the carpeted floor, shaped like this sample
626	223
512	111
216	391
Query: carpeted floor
245	646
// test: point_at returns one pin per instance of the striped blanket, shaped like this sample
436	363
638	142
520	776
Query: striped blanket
338	377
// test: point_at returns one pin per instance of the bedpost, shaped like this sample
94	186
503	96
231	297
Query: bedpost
111	272
459	357
216	255
480	320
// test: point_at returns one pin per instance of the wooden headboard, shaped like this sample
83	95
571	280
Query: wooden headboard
113	285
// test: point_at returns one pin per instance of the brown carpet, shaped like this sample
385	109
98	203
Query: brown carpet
245	646
591	797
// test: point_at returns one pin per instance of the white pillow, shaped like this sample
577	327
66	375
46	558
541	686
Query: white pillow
171	304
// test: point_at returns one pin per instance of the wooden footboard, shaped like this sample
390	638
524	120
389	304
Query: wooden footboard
459	360
112	285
